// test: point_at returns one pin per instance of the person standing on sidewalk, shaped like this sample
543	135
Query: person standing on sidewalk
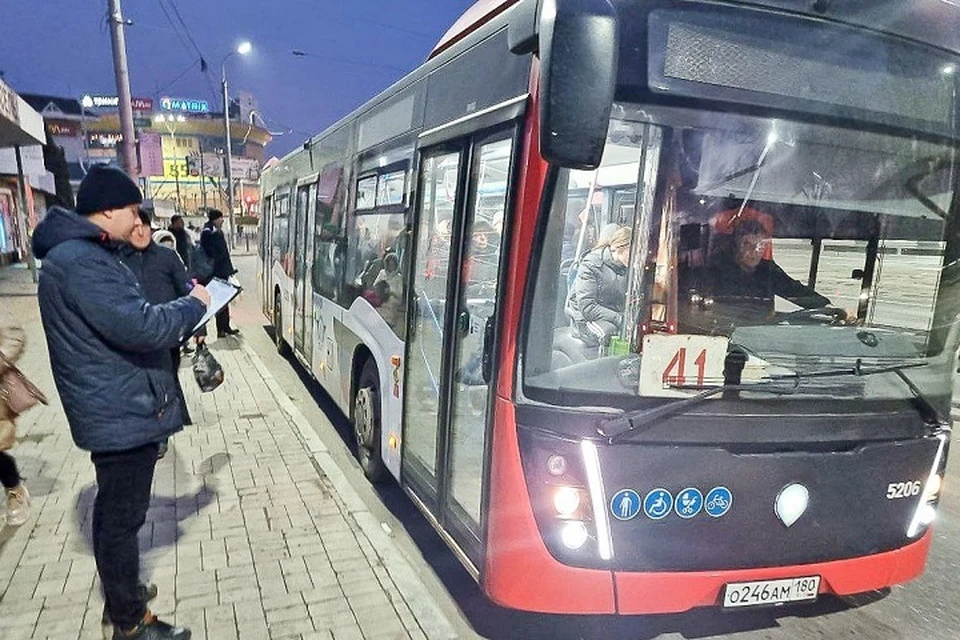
12	340
163	278
110	356
214	243
183	239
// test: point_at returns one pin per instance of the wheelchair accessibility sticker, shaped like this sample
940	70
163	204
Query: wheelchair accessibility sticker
718	501
658	504
625	504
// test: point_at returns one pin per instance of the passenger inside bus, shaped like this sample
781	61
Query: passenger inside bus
740	280
596	301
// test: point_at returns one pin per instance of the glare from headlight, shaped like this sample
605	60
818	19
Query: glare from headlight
928	513
574	534
566	501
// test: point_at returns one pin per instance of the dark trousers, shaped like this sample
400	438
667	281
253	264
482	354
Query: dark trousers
223	320
124	479
9	474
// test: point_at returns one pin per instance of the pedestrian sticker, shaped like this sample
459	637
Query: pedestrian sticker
689	503
625	504
658	504
718	502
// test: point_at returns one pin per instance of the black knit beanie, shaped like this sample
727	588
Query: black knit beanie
106	188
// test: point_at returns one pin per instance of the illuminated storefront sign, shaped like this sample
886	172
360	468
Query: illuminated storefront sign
184	105
112	102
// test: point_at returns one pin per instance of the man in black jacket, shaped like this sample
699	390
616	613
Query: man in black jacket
182	237
163	278
214	244
110	355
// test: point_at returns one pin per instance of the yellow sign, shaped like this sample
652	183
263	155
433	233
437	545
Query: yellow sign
175	169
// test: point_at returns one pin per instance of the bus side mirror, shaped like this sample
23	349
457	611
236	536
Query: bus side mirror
579	49
524	31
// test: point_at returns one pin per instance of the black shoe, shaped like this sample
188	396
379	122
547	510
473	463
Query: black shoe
147	593
152	629
187	350
162	451
228	332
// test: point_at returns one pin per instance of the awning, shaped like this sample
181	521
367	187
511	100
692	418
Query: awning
20	125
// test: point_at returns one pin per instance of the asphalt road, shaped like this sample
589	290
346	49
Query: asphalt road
926	609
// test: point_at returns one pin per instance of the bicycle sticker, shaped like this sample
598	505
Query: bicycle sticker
718	502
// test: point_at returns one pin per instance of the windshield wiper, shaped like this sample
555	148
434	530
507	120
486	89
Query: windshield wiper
631	422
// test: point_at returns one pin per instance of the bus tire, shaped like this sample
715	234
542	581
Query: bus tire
282	347
366	424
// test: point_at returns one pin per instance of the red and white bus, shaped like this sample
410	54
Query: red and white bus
647	305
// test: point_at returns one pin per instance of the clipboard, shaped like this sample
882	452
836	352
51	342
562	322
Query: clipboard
222	293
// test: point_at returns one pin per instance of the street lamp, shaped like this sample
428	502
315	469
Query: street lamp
242	49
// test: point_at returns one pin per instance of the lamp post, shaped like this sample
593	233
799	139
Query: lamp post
243	49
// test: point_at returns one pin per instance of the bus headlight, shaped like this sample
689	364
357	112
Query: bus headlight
574	534
556	465
566	500
926	511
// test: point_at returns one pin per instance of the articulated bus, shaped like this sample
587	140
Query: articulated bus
647	305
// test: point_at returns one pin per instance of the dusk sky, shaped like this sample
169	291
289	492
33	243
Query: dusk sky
354	50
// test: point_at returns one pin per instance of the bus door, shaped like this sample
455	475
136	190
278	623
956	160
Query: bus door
303	300
266	257
462	201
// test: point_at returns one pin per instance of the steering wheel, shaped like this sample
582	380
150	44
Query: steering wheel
835	315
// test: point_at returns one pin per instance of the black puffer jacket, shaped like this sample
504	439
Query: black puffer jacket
159	271
214	243
109	347
598	294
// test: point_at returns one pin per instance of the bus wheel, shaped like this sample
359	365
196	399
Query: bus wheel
282	347
366	424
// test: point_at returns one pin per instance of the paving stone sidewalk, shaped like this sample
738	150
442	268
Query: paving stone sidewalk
247	536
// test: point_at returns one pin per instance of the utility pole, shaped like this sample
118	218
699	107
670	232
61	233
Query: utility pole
123	89
229	169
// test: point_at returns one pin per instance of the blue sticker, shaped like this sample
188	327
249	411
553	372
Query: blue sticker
625	504
689	503
658	504
718	502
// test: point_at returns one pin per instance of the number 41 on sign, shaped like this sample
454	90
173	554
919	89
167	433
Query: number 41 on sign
680	365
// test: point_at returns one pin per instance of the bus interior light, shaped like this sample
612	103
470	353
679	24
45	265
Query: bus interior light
574	534
566	500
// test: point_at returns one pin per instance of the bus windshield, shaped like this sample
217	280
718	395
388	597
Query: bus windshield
800	248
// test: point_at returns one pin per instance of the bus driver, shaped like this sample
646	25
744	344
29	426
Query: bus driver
738	286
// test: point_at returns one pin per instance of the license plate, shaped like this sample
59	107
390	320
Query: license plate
752	594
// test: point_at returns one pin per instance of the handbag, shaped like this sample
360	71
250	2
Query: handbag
18	393
206	370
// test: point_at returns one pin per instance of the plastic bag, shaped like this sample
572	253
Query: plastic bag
206	370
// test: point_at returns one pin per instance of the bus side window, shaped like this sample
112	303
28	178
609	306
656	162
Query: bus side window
328	232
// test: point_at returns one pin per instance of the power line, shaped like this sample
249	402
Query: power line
384	67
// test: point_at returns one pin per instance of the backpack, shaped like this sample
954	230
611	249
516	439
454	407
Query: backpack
200	264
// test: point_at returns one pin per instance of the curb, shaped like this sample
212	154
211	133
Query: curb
428	615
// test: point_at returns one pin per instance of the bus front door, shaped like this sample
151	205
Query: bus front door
462	202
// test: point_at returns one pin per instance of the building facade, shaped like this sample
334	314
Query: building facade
180	146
